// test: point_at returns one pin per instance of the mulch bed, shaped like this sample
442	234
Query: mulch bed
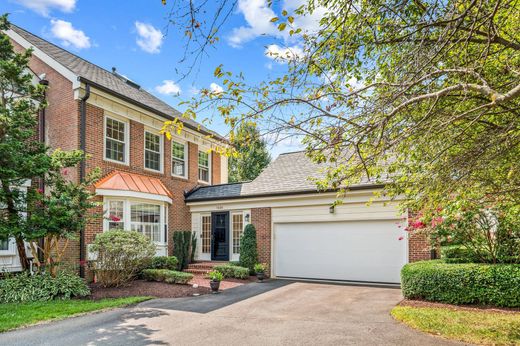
146	288
426	304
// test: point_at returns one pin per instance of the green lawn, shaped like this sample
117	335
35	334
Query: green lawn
478	327
19	315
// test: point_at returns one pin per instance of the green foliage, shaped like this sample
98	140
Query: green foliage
468	283
168	276
248	249
251	156
182	248
24	287
231	271
193	246
457	254
215	275
121	255
164	262
485	232
260	268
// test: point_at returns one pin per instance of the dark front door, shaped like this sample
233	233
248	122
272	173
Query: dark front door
220	236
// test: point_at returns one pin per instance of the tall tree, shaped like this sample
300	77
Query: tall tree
21	156
423	95
251	155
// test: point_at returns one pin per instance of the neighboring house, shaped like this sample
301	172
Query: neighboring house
299	233
117	123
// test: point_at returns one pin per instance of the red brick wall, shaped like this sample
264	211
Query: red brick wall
261	219
418	247
215	168
179	217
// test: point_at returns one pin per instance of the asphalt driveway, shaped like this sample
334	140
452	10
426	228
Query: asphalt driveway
273	313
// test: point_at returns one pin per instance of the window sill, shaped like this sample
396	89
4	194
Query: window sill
179	177
153	170
116	162
204	182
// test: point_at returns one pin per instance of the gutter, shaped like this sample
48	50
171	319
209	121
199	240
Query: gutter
82	170
278	194
151	109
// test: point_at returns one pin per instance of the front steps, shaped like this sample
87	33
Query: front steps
202	268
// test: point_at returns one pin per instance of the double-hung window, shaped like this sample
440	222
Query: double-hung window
152	151
204	166
4	244
116	140
179	159
147	218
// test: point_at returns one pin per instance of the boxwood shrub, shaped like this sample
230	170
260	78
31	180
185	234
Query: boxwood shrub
24	287
168	276
462	283
232	271
164	262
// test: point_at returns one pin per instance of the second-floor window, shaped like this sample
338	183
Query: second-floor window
115	140
204	166
178	159
152	151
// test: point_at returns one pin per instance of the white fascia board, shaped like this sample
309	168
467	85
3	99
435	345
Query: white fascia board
133	194
71	76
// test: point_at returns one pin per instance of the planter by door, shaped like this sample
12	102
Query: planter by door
220	236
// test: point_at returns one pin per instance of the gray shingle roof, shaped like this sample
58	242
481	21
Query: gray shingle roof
290	173
93	73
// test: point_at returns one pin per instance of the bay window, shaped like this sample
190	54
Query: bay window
146	217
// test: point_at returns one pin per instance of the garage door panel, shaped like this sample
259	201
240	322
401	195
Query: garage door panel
354	250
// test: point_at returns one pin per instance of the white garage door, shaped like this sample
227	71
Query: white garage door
368	251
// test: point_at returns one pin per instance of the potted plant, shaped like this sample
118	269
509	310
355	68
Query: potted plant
260	269
215	277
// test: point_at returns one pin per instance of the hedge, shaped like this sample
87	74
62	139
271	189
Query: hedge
164	262
462	283
168	276
232	271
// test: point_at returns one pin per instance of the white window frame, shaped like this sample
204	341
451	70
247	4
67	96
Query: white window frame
186	158
126	142
202	254
236	256
11	248
127	219
209	167
161	151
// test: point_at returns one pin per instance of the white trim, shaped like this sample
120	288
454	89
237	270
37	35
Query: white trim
65	72
133	194
186	158
127	221
127	139
161	150
210	157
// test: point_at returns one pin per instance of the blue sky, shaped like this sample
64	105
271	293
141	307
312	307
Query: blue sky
129	35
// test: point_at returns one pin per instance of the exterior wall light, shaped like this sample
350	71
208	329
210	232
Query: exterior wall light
247	218
332	209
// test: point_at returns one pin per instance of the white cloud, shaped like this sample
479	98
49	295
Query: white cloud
150	39
258	16
215	88
194	90
168	87
68	35
44	7
283	54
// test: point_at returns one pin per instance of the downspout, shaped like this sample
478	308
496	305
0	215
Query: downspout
82	170
41	183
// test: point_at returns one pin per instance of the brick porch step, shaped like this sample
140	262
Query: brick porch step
202	267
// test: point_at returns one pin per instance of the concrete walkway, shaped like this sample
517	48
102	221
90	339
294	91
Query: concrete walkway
273	313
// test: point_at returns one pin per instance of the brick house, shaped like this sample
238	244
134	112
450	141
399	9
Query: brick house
157	186
117	124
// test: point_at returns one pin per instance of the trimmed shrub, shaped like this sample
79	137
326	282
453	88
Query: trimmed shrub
24	287
164	262
121	255
182	247
232	271
464	283
248	250
168	276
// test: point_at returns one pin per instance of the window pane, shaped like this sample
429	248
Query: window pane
152	142
238	228
116	215
115	140
178	168
203	159
203	174
206	234
178	150
4	244
146	219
